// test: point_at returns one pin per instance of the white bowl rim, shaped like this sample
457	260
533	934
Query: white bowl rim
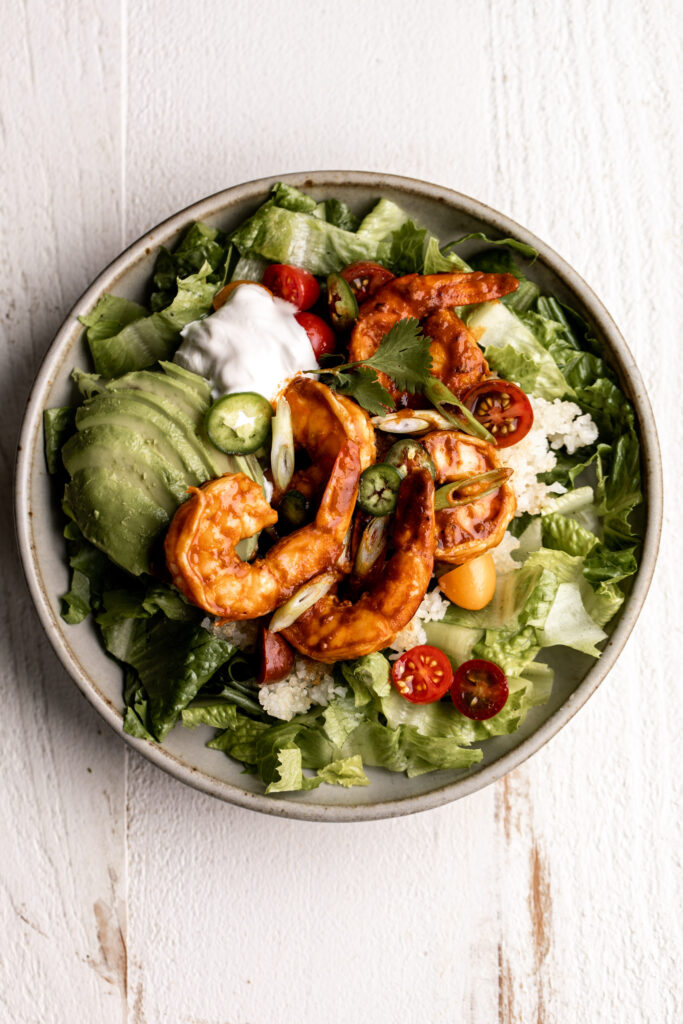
652	480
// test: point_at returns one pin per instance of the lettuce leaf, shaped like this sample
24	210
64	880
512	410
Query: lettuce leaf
148	339
514	353
500	261
384	218
285	236
110	315
219	714
171	658
407	249
58	425
200	245
339	214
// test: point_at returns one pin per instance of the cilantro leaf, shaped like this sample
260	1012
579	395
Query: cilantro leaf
364	385
403	354
407	252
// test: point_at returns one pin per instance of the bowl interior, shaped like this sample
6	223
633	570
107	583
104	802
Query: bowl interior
39	524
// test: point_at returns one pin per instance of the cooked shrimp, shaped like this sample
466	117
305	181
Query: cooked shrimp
468	530
333	629
458	361
200	543
321	422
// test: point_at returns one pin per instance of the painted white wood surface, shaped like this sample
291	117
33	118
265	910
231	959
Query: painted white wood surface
552	896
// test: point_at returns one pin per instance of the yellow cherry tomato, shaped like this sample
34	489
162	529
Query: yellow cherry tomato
472	584
221	297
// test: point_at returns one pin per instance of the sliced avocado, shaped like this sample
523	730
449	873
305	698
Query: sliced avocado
173	391
139	445
179	389
172	436
125	528
129	456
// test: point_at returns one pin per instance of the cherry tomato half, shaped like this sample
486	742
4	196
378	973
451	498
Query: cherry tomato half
276	657
293	284
479	689
422	675
365	278
503	408
320	334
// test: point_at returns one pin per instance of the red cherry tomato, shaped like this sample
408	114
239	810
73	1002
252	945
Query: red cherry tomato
479	689
422	675
320	334
294	284
365	278
503	408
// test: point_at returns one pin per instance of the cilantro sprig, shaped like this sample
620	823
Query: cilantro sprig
402	354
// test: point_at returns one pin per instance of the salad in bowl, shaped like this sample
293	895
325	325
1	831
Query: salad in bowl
337	489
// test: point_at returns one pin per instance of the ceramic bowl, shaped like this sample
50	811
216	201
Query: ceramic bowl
449	215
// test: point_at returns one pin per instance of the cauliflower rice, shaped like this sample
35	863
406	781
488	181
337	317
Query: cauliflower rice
309	682
557	424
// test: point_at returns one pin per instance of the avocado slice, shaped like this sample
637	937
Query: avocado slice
125	529
173	437
181	391
139	445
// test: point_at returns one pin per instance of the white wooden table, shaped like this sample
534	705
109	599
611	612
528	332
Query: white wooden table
552	896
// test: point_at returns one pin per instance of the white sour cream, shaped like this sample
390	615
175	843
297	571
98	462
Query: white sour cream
252	343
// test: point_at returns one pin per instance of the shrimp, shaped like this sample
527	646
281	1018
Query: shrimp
200	543
457	359
468	530
333	629
322	421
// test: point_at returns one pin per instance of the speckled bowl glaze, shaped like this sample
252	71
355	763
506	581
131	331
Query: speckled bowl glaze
184	755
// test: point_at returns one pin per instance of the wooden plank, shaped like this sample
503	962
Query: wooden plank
587	827
62	871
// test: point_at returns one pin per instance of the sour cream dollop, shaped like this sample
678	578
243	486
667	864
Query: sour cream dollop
252	343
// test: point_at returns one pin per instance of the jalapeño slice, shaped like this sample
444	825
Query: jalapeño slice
294	510
409	454
378	489
239	424
341	302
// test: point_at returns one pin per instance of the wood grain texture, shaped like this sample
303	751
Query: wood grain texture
553	896
62	874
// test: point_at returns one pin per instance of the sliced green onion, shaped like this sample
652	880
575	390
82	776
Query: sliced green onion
246	548
345	553
372	543
437	392
418	422
251	467
300	602
282	450
489	481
